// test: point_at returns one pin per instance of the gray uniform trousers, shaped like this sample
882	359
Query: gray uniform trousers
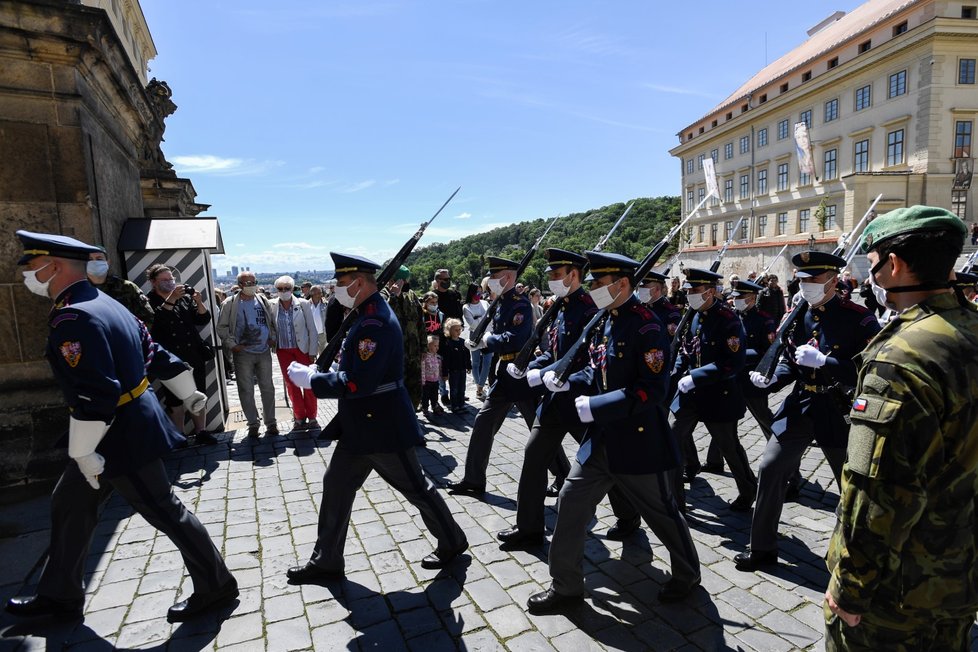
543	443
780	461
74	515
652	495
347	472
487	423
724	433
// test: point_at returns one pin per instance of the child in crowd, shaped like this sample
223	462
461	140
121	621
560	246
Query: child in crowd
430	374
456	363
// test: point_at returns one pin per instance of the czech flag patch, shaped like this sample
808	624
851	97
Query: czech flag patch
859	405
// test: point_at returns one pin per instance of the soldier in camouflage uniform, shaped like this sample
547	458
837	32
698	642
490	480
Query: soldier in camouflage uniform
125	292
904	555
407	309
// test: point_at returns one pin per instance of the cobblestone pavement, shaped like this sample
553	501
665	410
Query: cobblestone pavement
259	500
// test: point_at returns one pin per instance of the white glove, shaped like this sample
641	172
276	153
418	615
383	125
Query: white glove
685	384
514	371
550	380
583	405
760	381
183	387
534	378
301	374
808	356
475	346
83	438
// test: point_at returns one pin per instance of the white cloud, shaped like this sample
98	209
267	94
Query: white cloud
677	90
222	166
358	186
391	182
296	245
463	216
239	244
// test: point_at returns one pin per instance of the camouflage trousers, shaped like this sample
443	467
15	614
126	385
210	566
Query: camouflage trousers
874	635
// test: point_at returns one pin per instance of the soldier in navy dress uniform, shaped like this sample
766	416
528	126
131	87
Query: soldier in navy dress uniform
621	397
966	284
100	355
557	415
819	360
511	327
710	358
378	429
652	292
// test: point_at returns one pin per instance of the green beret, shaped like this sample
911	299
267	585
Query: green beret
403	273
912	219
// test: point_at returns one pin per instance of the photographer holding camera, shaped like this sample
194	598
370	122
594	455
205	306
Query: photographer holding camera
179	310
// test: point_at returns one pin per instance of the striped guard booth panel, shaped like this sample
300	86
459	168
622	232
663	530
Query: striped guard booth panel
191	266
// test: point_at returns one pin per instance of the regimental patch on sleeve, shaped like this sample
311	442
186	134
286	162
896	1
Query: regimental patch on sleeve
859	405
517	319
733	343
655	359
71	352
366	348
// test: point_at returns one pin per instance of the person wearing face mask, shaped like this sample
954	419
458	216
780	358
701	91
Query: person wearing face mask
652	293
902	558
511	327
117	434
448	298
711	355
557	415
404	302
298	341
125	292
473	312
377	427
620	398
821	365
179	312
246	327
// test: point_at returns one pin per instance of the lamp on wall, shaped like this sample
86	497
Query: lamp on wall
811	242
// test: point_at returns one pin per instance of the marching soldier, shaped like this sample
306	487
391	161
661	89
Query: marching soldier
652	293
377	427
100	355
711	356
621	397
903	559
125	292
557	415
833	331
511	327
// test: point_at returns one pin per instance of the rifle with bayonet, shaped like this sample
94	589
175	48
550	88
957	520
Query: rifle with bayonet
769	362
771	264
969	264
523	357
688	315
326	358
475	335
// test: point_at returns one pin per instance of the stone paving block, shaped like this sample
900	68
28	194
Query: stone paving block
402	580
142	633
418	621
483	641
487	594
462	619
508	573
241	628
105	621
758	639
529	642
437	641
325	612
114	594
382	637
791	629
283	607
249	600
507	621
291	634
152	606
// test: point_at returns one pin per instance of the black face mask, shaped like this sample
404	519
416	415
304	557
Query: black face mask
444	284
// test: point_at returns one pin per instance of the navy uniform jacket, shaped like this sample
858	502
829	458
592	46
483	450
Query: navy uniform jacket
842	329
576	310
375	413
98	351
760	329
713	351
667	313
511	328
627	381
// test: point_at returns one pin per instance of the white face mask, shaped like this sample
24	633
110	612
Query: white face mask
696	301
285	295
878	291
495	286
249	290
644	295
602	297
35	286
740	305
558	288
815	293
97	268
342	294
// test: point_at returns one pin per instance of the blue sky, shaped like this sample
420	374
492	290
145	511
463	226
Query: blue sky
333	125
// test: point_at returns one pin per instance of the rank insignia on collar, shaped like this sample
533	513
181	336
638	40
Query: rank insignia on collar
517	319
733	342
71	352
366	348
654	360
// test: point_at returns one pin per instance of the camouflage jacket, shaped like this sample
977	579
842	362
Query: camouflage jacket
129	295
407	309
906	541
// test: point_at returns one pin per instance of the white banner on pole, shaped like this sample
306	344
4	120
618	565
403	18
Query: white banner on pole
710	171
806	162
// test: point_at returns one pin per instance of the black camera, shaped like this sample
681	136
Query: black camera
189	290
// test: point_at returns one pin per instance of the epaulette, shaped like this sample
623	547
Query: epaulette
643	312
59	315
852	305
765	315
370	309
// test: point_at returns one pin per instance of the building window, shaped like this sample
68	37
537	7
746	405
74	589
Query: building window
969	12
806	117
831	110
898	84
782	176
728	151
782	223
715	155
702	232
804	179
728	190
689	200
864	97
783	88
762	225
830	168
762	182
744	144
860	156
803	218
702	129
806	76
962	138
713	234
699	161
830	217
894	148
744	186
713	124
959	203
900	29
783	129
966	71
833	62
727	229
762	137
700	194
744	229
865	46
729	115
763	99
689	166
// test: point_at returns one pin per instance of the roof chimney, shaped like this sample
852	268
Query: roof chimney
825	23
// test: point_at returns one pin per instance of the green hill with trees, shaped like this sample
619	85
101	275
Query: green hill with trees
647	223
